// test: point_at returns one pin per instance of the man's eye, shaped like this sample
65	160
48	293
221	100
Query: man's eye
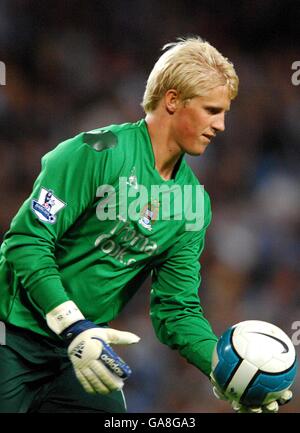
212	110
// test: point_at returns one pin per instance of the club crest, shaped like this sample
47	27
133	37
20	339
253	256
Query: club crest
149	214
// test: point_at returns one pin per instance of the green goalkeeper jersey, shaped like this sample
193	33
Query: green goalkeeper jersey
99	220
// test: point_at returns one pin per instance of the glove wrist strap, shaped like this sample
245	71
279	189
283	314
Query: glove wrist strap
76	328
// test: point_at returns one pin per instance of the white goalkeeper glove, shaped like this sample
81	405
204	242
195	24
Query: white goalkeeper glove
97	367
271	407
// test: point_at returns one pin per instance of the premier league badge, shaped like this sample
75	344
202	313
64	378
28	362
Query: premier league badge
47	206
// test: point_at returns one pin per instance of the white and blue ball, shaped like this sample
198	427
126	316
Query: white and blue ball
253	362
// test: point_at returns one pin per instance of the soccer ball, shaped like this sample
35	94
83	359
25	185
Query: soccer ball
253	362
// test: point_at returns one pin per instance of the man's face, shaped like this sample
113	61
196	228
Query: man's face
198	120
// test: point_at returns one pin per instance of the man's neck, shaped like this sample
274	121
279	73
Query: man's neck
165	150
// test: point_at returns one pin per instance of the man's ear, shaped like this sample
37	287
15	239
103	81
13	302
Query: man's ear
171	99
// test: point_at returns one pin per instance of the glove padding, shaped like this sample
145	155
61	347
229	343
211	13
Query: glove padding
271	407
98	368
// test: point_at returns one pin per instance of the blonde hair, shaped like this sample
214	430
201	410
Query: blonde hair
192	67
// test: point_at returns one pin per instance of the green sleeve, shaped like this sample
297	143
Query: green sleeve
29	245
176	312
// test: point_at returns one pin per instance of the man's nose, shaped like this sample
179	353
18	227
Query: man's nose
218	123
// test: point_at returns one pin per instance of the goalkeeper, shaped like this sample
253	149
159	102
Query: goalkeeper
76	253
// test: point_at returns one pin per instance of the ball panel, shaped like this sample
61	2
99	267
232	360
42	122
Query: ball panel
238	384
266	387
227	359
264	344
254	361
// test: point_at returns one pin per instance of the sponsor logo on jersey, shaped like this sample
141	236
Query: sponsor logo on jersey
123	239
47	206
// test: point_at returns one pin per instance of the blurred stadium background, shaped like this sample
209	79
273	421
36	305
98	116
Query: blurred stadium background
74	65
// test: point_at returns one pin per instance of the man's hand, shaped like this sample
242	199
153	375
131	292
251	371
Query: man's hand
272	407
98	368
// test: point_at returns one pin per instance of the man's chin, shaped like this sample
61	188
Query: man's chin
198	151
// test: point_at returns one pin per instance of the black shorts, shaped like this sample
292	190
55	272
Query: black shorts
36	375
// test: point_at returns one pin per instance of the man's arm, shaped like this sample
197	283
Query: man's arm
62	192
176	312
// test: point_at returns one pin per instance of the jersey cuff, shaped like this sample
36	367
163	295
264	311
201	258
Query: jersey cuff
48	293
